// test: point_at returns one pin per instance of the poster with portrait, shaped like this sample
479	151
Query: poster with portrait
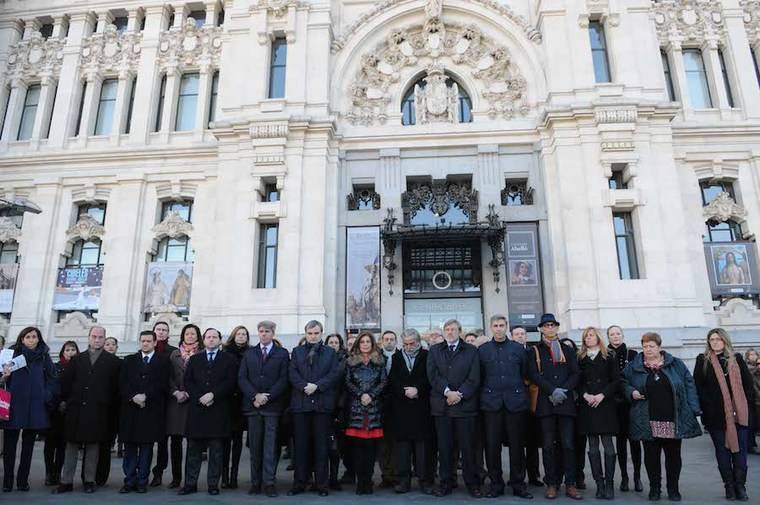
8	273
168	286
363	277
732	267
78	288
525	298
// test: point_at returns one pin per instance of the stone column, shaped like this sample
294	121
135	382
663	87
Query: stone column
122	106
181	10
205	76
44	109
31	25
745	81
389	181
212	9
715	76
13	114
90	106
486	177
171	94
104	18
678	74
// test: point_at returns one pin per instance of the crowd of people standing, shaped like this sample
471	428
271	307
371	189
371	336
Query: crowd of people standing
418	407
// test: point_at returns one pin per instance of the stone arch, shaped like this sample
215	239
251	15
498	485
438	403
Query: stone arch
371	67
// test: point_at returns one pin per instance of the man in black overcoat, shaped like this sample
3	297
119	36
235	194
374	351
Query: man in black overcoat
144	387
409	390
210	379
556	374
263	382
453	369
505	405
90	396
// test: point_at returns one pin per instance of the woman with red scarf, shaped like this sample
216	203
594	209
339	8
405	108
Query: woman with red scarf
55	444
725	390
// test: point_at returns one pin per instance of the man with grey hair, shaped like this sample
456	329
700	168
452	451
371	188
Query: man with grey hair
453	369
388	342
90	394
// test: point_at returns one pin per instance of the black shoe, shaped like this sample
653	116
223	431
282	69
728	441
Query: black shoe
141	489
213	491
740	478
335	485
63	488
254	489
402	488
295	490
156	480
322	492
387	484
601	490
624	484
174	484
495	492
475	491
442	491
347	478
536	482
426	488
522	493
125	489
270	491
89	487
654	494
637	485
674	495
233	484
187	490
7	489
22	486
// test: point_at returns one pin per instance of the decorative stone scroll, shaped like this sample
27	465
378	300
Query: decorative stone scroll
111	52
86	228
36	57
190	47
9	232
723	208
278	8
688	21
172	226
751	10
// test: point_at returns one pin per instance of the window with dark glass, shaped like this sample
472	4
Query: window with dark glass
131	106
81	109
220	18
182	207
199	16
409	116
46	30
757	66
450	269
267	270
106	107
277	68
213	99
160	108
9	252
170	21
726	80
85	253
271	193
711	189
625	244
599	51
187	102
178	248
121	23
727	231
31	101
46	132
696	79
96	211
616	180
668	76
5	110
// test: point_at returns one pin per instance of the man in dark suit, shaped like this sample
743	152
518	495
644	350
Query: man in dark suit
210	379
263	382
555	372
505	405
409	390
314	374
161	329
90	394
519	334
453	369
144	387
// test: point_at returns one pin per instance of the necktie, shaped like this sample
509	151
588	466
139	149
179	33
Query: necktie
451	348
210	357
146	359
264	353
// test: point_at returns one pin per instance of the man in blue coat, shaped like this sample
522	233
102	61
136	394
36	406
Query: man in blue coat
314	374
263	382
504	402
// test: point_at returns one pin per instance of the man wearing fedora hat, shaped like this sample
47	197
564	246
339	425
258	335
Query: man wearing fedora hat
554	368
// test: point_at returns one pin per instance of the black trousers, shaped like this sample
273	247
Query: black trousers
452	431
233	448
420	451
311	429
103	470
558	435
365	454
195	448
622	442
10	441
672	450
533	442
166	447
54	450
512	427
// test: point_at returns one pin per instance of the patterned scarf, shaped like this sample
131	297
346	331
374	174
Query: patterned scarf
187	350
555	349
734	406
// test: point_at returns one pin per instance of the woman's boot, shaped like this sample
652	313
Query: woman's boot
609	476
595	461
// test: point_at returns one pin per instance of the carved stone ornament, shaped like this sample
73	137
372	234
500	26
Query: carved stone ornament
386	5
35	57
8	230
723	208
377	81
688	20
363	198
436	102
438	197
86	228
111	51
752	19
190	47
606	116
74	325
172	226
278	8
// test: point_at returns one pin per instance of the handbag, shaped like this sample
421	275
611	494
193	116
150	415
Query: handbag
533	389
5	405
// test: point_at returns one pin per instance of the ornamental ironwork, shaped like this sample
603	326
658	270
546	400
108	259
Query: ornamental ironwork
439	197
516	193
363	198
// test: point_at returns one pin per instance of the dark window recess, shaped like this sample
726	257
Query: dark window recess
726	80
423	266
711	189
160	110
121	24
516	193
616	181
95	211
271	193
668	76
182	207
267	269
363	198
46	30
626	246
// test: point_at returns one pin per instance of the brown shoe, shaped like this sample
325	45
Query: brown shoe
551	492
572	492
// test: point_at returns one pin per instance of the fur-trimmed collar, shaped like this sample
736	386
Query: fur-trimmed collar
374	357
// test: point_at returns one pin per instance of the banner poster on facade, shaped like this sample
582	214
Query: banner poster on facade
363	277
8	273
523	265
78	288
168	286
732	268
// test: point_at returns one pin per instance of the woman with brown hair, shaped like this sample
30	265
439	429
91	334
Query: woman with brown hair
237	343
597	414
724	386
365	381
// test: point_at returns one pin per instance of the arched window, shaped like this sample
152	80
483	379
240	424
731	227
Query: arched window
408	116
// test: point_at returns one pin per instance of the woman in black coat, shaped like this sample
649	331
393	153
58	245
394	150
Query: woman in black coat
338	444
365	382
33	391
623	356
597	414
237	343
725	390
55	443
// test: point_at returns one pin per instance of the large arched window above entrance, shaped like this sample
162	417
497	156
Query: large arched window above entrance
408	115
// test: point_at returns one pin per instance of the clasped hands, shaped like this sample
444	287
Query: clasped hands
260	400
139	399
309	389
181	396
453	397
593	400
411	392
207	400
558	396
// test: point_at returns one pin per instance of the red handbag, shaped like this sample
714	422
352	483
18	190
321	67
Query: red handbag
5	405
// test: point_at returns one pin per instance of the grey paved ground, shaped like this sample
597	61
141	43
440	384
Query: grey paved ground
700	484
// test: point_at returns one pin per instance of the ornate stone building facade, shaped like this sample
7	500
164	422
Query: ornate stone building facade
224	162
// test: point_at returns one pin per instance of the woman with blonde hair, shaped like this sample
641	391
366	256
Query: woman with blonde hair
724	386
597	415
